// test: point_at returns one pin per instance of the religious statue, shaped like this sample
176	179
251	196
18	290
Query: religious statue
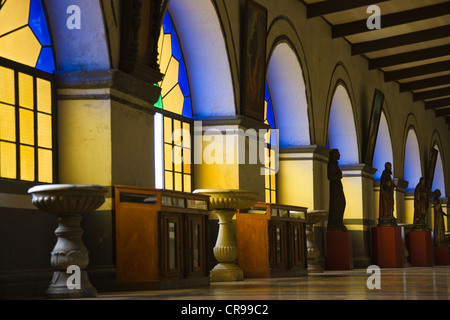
386	210
439	226
420	205
337	197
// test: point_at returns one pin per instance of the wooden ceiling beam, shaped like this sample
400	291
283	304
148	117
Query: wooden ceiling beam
442	112
393	19
437	103
334	6
431	94
408	57
401	40
425	83
417	71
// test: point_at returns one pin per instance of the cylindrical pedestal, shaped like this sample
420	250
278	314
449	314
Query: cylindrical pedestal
313	252
69	257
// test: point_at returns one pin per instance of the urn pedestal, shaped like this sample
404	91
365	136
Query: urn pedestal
313	217
69	256
225	204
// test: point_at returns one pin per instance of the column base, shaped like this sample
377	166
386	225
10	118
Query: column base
441	256
339	251
388	247
58	288
226	272
420	247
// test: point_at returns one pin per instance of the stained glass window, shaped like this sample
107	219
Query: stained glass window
26	64
173	124
269	152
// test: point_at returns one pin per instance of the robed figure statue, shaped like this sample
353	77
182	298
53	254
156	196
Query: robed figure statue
439	226
420	205
386	204
337	197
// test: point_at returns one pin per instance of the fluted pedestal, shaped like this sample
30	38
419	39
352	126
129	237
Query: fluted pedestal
69	202
225	204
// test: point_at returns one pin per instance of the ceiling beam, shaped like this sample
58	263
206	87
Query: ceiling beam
437	103
393	19
442	112
431	94
411	56
401	40
425	83
333	6
416	71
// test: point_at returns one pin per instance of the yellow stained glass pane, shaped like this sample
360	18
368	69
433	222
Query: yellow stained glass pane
272	181
26	120
187	183
272	159
7	92
44	95
177	130
170	78
187	161
267	178
26	163
8	167
26	91
166	52
45	166
178	182
14	14
12	44
186	130
168	157
174	100
267	196
168	180
177	159
167	130
273	197
44	130
7	122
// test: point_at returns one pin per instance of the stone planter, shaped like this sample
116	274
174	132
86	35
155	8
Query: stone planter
225	204
69	202
313	217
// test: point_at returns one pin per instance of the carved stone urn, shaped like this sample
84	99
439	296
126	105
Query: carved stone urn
313	217
225	204
69	256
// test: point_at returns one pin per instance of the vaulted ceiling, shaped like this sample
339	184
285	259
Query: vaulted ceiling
412	46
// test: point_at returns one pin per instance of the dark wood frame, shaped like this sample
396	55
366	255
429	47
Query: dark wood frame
254	60
377	107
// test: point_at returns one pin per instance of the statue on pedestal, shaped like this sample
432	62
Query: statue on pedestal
420	205
386	213
337	197
439	226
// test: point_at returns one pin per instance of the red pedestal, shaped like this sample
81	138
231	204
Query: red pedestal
388	249
442	256
339	251
420	247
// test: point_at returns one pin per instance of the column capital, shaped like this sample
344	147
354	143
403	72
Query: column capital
357	170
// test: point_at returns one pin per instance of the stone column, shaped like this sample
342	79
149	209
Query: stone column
359	215
69	203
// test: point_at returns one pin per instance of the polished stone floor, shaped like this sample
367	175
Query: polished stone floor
413	283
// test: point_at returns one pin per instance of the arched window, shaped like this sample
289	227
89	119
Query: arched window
269	152
173	123
26	91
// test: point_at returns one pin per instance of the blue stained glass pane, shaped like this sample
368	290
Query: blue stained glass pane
38	22
167	23
176	50
187	107
182	79
266	92
270	116
46	62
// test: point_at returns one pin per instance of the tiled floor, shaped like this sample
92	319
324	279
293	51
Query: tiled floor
414	283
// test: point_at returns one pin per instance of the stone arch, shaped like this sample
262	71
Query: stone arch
412	164
288	93
439	174
383	148
204	49
341	125
91	39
